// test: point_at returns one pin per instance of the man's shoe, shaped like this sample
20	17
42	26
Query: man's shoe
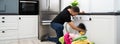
44	38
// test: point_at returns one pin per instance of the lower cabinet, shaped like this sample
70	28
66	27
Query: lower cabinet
16	26
101	29
28	26
8	34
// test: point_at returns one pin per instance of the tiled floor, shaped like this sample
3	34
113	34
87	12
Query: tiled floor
25	41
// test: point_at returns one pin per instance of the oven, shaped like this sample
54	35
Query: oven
29	8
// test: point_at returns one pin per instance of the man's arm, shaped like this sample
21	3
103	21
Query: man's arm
74	27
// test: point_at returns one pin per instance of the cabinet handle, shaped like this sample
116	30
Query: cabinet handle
19	18
3	31
3	21
90	19
80	17
3	17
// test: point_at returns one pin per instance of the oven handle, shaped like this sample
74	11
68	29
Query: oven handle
28	1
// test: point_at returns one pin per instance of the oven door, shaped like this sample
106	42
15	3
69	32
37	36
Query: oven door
29	8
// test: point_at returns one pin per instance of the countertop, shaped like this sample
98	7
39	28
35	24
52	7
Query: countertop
8	14
102	13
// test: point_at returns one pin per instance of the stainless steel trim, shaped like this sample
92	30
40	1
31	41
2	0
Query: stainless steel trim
28	1
46	22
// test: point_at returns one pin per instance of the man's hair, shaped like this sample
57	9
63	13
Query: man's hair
75	9
82	26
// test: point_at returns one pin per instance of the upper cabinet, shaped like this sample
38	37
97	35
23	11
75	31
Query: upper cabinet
117	5
93	5
102	5
9	6
2	5
97	5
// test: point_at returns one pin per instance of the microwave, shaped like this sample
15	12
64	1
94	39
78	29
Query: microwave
29	8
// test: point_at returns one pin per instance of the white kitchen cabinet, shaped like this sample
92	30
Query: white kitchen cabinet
14	26
117	5
8	29
94	5
84	5
101	29
8	22
102	5
28	26
97	5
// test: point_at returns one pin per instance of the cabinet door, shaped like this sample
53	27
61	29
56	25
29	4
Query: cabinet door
28	26
101	29
8	22
2	5
8	34
12	6
9	6
117	5
102	5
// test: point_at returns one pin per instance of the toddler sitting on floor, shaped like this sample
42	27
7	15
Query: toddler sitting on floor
70	38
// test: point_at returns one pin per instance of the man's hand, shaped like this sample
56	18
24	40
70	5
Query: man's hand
74	27
82	30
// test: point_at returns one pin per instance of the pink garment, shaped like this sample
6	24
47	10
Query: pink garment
67	38
73	36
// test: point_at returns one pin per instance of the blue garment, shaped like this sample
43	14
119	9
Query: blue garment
59	31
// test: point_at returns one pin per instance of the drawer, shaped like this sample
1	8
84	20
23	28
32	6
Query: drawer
8	26
8	19
8	34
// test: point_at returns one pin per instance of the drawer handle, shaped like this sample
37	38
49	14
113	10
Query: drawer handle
90	19
3	31
3	21
80	17
3	17
19	18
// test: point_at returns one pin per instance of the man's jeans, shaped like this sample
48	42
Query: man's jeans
59	31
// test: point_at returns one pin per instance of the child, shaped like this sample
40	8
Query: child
82	26
68	37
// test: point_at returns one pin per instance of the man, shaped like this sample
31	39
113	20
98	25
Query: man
61	18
